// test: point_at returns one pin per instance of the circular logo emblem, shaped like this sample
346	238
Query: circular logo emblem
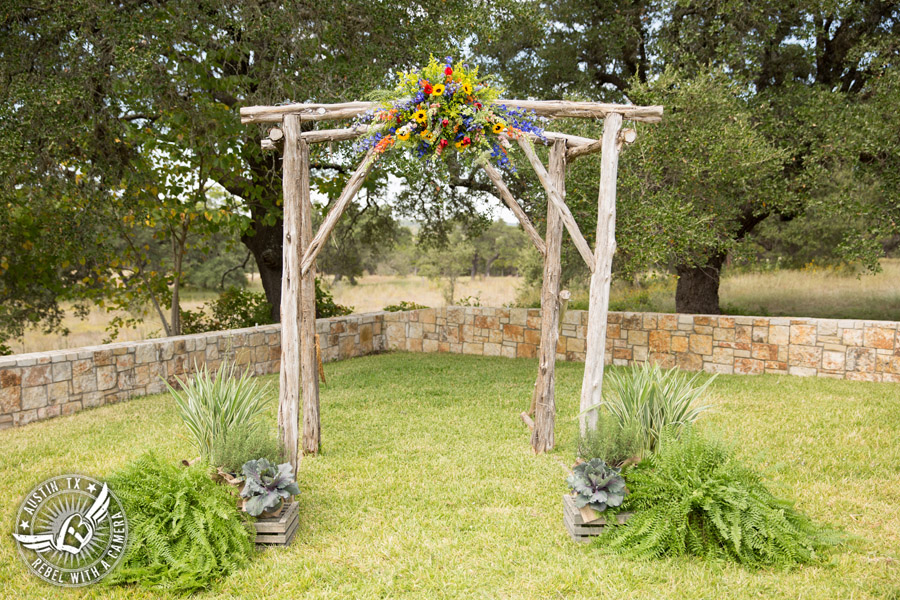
71	530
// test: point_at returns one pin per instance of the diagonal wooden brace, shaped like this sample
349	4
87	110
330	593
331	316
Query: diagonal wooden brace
510	201
353	184
553	194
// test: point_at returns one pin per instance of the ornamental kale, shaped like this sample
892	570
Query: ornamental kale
267	485
597	485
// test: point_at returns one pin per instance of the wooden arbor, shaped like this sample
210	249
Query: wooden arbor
298	354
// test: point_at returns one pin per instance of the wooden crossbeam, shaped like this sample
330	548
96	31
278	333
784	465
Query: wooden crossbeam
350	190
553	194
556	109
275	138
507	197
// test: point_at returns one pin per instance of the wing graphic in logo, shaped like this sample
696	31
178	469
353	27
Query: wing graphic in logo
78	526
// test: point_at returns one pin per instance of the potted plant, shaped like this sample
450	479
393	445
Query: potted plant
596	487
266	486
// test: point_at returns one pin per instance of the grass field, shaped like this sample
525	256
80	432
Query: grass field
808	293
427	487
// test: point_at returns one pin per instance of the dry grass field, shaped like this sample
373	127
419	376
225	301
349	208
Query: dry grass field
808	293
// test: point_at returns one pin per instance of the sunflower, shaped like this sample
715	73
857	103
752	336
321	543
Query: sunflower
427	136
439	89
460	145
421	116
498	127
402	135
467	89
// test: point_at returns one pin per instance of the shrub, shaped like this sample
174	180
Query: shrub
185	531
403	305
235	308
325	304
694	498
611	442
468	301
652	400
242	443
212	406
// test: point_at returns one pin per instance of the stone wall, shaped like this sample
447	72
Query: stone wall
842	349
47	384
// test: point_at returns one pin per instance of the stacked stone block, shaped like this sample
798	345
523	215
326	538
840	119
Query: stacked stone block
843	349
47	384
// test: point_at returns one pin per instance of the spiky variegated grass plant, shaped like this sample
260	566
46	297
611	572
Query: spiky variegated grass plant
653	400
212	405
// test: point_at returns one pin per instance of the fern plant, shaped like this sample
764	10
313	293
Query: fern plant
694	498
185	531
211	405
651	400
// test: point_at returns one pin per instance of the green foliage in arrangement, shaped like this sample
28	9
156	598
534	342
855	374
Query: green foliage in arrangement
403	305
325	304
235	308
597	485
694	498
267	485
242	443
186	531
652	399
611	442
213	405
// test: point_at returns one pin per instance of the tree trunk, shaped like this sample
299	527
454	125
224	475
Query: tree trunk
265	245
698	287
488	263
474	271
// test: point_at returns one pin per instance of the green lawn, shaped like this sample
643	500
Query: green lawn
427	487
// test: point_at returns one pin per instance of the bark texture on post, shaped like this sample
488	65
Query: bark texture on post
598	308
542	436
295	165
309	368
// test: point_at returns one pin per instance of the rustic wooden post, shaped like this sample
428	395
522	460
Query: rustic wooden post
309	371
295	170
542	436
598	307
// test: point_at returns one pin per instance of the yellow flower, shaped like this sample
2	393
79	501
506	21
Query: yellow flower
439	90
403	135
498	127
420	116
426	135
460	145
467	89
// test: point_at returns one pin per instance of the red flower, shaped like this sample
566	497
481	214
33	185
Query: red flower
445	122
478	106
428	89
466	141
443	143
448	71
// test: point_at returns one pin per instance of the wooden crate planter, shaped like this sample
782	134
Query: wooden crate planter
581	530
279	530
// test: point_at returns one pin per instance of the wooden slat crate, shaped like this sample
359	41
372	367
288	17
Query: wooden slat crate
279	530
578	529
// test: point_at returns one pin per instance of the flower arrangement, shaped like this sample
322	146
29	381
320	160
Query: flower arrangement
446	108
